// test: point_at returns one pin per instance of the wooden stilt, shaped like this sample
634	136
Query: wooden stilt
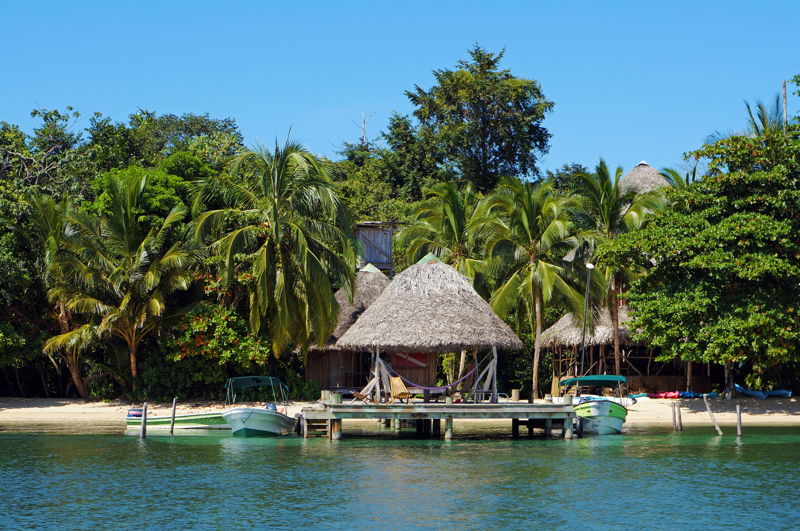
143	430
567	428
680	420
448	428
515	428
437	427
738	420
335	429
548	427
711	414
674	417
172	420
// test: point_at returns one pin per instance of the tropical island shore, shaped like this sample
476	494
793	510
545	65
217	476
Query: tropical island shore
55	411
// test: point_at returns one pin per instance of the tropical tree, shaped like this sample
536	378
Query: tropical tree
610	212
527	230
280	219
116	274
442	226
677	180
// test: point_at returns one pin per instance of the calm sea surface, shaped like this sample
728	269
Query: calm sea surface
649	479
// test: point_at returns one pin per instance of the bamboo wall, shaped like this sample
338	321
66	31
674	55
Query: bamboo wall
338	369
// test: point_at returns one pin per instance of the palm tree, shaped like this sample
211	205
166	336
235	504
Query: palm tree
117	275
678	181
51	231
610	212
442	226
528	232
290	229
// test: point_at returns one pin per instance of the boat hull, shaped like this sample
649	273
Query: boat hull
601	417
202	421
257	422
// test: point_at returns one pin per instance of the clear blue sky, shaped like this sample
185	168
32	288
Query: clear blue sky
630	80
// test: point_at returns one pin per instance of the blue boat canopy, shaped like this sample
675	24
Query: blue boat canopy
598	380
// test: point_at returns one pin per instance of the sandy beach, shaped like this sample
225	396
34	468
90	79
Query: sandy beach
770	412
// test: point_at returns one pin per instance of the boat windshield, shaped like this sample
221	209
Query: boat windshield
235	386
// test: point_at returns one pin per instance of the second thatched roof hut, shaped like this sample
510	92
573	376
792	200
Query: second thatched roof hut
429	307
336	368
568	331
641	179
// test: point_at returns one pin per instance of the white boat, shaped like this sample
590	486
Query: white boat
258	422
600	415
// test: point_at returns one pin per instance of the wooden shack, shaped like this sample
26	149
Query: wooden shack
376	244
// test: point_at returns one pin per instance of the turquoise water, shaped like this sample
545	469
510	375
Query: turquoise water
650	480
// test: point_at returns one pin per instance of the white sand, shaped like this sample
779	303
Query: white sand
769	412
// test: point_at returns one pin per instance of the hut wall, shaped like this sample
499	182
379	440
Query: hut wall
338	369
420	375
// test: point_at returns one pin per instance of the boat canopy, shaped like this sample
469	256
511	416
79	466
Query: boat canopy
234	386
598	380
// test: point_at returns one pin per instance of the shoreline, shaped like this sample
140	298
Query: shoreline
649	412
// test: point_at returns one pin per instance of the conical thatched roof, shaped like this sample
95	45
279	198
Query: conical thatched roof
567	331
643	178
368	287
429	307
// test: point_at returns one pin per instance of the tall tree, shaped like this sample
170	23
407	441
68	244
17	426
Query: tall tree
117	274
288	229
612	212
528	232
487	122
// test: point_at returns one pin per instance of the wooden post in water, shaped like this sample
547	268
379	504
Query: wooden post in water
680	420
172	420
336	429
448	422
143	430
711	414
568	428
738	420
515	428
548	427
674	418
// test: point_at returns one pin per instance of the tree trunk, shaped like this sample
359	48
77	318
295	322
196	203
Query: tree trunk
688	375
72	360
134	367
461	366
614	311
536	345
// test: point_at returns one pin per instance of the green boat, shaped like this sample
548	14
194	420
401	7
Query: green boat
600	415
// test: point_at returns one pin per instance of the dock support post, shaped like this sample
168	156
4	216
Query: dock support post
336	429
448	422
529	424
567	428
739	421
304	426
143	430
172	420
680	420
548	427
515	428
437	427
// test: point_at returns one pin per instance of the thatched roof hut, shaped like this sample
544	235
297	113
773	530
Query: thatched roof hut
429	307
369	284
642	178
568	330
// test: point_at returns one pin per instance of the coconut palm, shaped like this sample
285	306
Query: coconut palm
280	218
441	226
51	231
528	232
610	212
678	181
116	274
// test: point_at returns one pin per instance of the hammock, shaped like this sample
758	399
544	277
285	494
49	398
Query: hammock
440	388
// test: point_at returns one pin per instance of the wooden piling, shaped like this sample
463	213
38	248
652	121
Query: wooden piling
172	420
738	420
711	414
448	428
674	417
143	430
515	428
336	429
568	428
548	427
437	427
680	420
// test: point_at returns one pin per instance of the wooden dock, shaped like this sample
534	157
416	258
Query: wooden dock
326	419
